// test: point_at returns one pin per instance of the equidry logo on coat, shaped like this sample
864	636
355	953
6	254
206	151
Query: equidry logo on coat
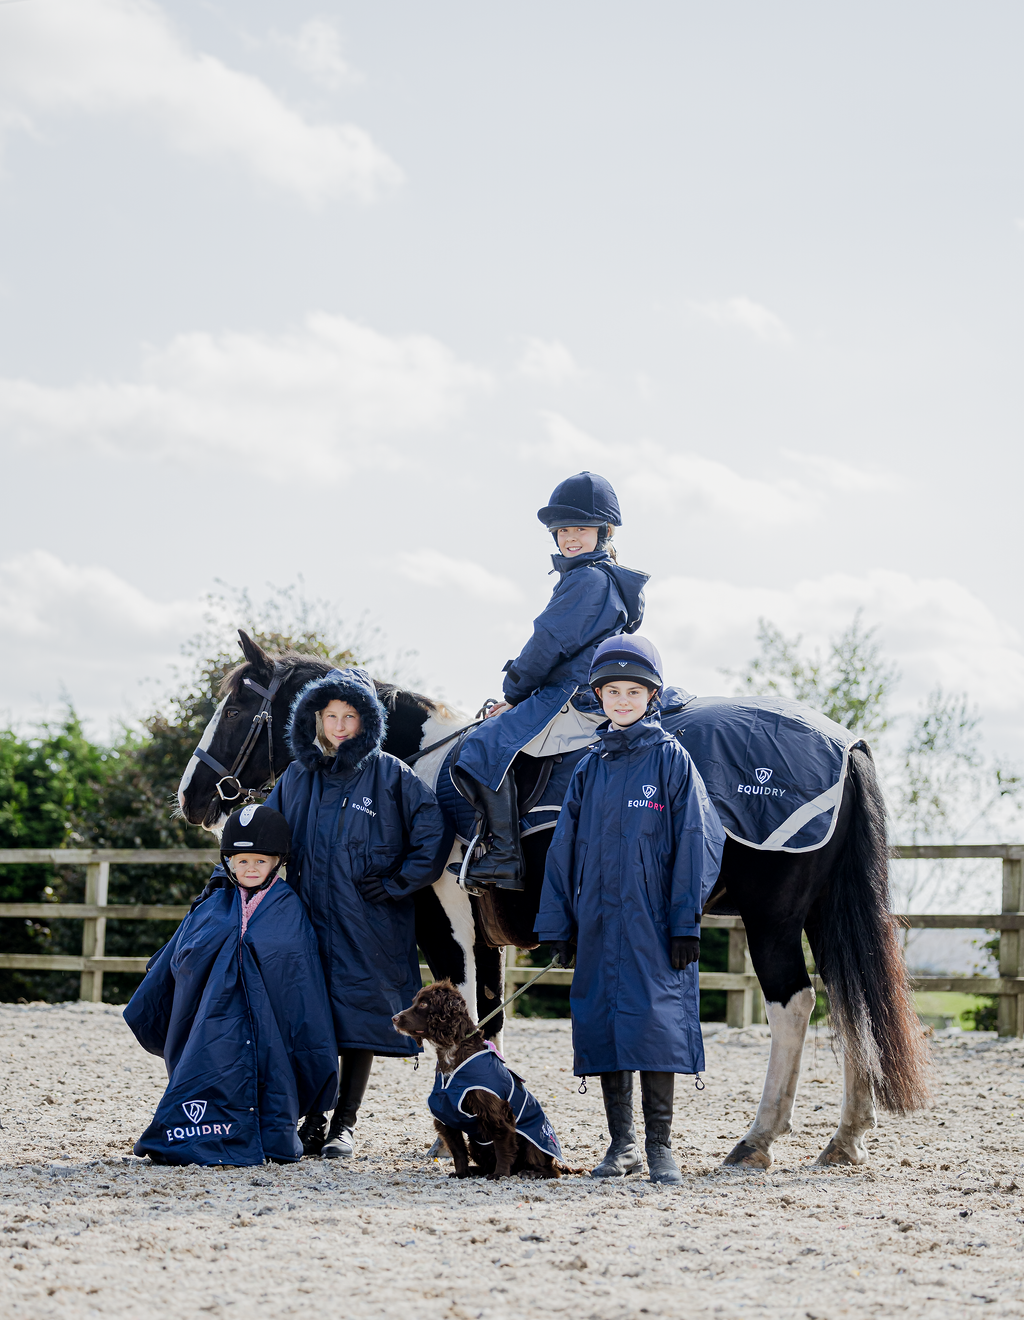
762	774
648	791
196	1112
366	804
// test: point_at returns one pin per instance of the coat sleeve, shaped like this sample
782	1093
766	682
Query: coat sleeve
429	838
555	919
699	840
290	796
583	610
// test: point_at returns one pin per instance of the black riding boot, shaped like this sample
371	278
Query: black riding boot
658	1092
313	1134
623	1156
497	816
355	1073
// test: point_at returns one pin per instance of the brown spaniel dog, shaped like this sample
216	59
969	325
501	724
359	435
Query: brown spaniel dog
439	1015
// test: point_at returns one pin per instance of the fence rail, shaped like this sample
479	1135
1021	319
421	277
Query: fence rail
743	999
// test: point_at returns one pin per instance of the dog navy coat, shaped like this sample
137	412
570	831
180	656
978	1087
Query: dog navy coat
594	598
636	851
244	1026
485	1071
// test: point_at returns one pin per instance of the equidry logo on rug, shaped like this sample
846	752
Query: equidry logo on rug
761	789
648	790
366	804
195	1111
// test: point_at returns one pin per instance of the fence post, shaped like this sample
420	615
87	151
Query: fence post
94	929
1010	1012
738	1003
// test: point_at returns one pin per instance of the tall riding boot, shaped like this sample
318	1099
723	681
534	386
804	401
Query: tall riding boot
658	1092
313	1134
623	1155
355	1073
497	816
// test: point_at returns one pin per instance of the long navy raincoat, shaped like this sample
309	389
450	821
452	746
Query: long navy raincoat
635	853
360	813
594	598
244	1027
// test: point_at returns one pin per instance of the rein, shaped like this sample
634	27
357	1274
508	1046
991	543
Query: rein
525	986
411	760
263	717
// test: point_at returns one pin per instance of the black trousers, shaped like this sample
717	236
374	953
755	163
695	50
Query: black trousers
355	1073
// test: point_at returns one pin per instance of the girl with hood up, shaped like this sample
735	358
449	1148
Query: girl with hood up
549	708
366	835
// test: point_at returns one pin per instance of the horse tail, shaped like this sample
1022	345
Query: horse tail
859	957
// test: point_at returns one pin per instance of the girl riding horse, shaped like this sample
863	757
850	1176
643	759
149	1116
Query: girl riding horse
549	708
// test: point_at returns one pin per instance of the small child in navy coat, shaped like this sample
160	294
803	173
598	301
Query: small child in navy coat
635	854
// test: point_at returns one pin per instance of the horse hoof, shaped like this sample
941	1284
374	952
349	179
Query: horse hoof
745	1156
836	1154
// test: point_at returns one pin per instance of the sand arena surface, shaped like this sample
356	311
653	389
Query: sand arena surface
934	1226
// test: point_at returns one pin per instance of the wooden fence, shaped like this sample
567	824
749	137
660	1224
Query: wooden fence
744	1003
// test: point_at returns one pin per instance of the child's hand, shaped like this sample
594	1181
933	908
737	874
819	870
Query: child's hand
564	951
685	950
372	889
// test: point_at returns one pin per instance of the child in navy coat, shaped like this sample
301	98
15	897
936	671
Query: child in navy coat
635	854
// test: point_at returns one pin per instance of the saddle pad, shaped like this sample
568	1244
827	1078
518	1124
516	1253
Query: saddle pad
773	768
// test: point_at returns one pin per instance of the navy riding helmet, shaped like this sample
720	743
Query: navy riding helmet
626	657
585	500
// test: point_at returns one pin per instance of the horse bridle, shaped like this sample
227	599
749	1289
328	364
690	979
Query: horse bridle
262	717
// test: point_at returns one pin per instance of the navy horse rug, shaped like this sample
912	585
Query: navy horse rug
773	768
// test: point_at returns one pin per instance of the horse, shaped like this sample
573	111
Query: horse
836	894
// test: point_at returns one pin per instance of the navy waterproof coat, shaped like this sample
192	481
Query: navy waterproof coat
635	853
360	813
244	1027
594	598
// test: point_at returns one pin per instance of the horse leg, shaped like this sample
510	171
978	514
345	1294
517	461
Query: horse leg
856	1119
777	955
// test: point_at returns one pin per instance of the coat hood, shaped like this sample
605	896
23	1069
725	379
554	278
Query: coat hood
354	686
630	582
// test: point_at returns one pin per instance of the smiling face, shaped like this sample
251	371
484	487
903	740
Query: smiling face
574	541
251	869
625	702
340	722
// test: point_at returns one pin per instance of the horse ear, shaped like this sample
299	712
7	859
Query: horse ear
255	653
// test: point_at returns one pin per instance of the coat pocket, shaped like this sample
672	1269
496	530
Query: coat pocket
654	886
578	865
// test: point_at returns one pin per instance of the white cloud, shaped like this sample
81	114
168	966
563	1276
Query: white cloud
841	476
123	57
935	629
316	49
743	314
549	361
83	630
322	390
431	568
656	479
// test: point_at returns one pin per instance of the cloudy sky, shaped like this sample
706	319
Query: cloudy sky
342	290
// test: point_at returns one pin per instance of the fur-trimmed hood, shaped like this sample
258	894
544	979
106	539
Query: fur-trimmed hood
354	686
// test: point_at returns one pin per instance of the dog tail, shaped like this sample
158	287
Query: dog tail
859	957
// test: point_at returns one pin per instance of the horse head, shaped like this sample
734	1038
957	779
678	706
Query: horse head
245	740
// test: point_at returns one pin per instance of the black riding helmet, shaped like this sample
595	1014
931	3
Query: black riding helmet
256	829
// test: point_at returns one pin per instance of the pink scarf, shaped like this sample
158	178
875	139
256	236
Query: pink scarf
249	905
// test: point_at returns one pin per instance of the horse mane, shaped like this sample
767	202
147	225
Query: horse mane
282	660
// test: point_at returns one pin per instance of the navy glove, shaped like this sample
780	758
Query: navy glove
564	951
685	950
372	889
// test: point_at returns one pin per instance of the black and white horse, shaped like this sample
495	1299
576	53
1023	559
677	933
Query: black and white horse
838	895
